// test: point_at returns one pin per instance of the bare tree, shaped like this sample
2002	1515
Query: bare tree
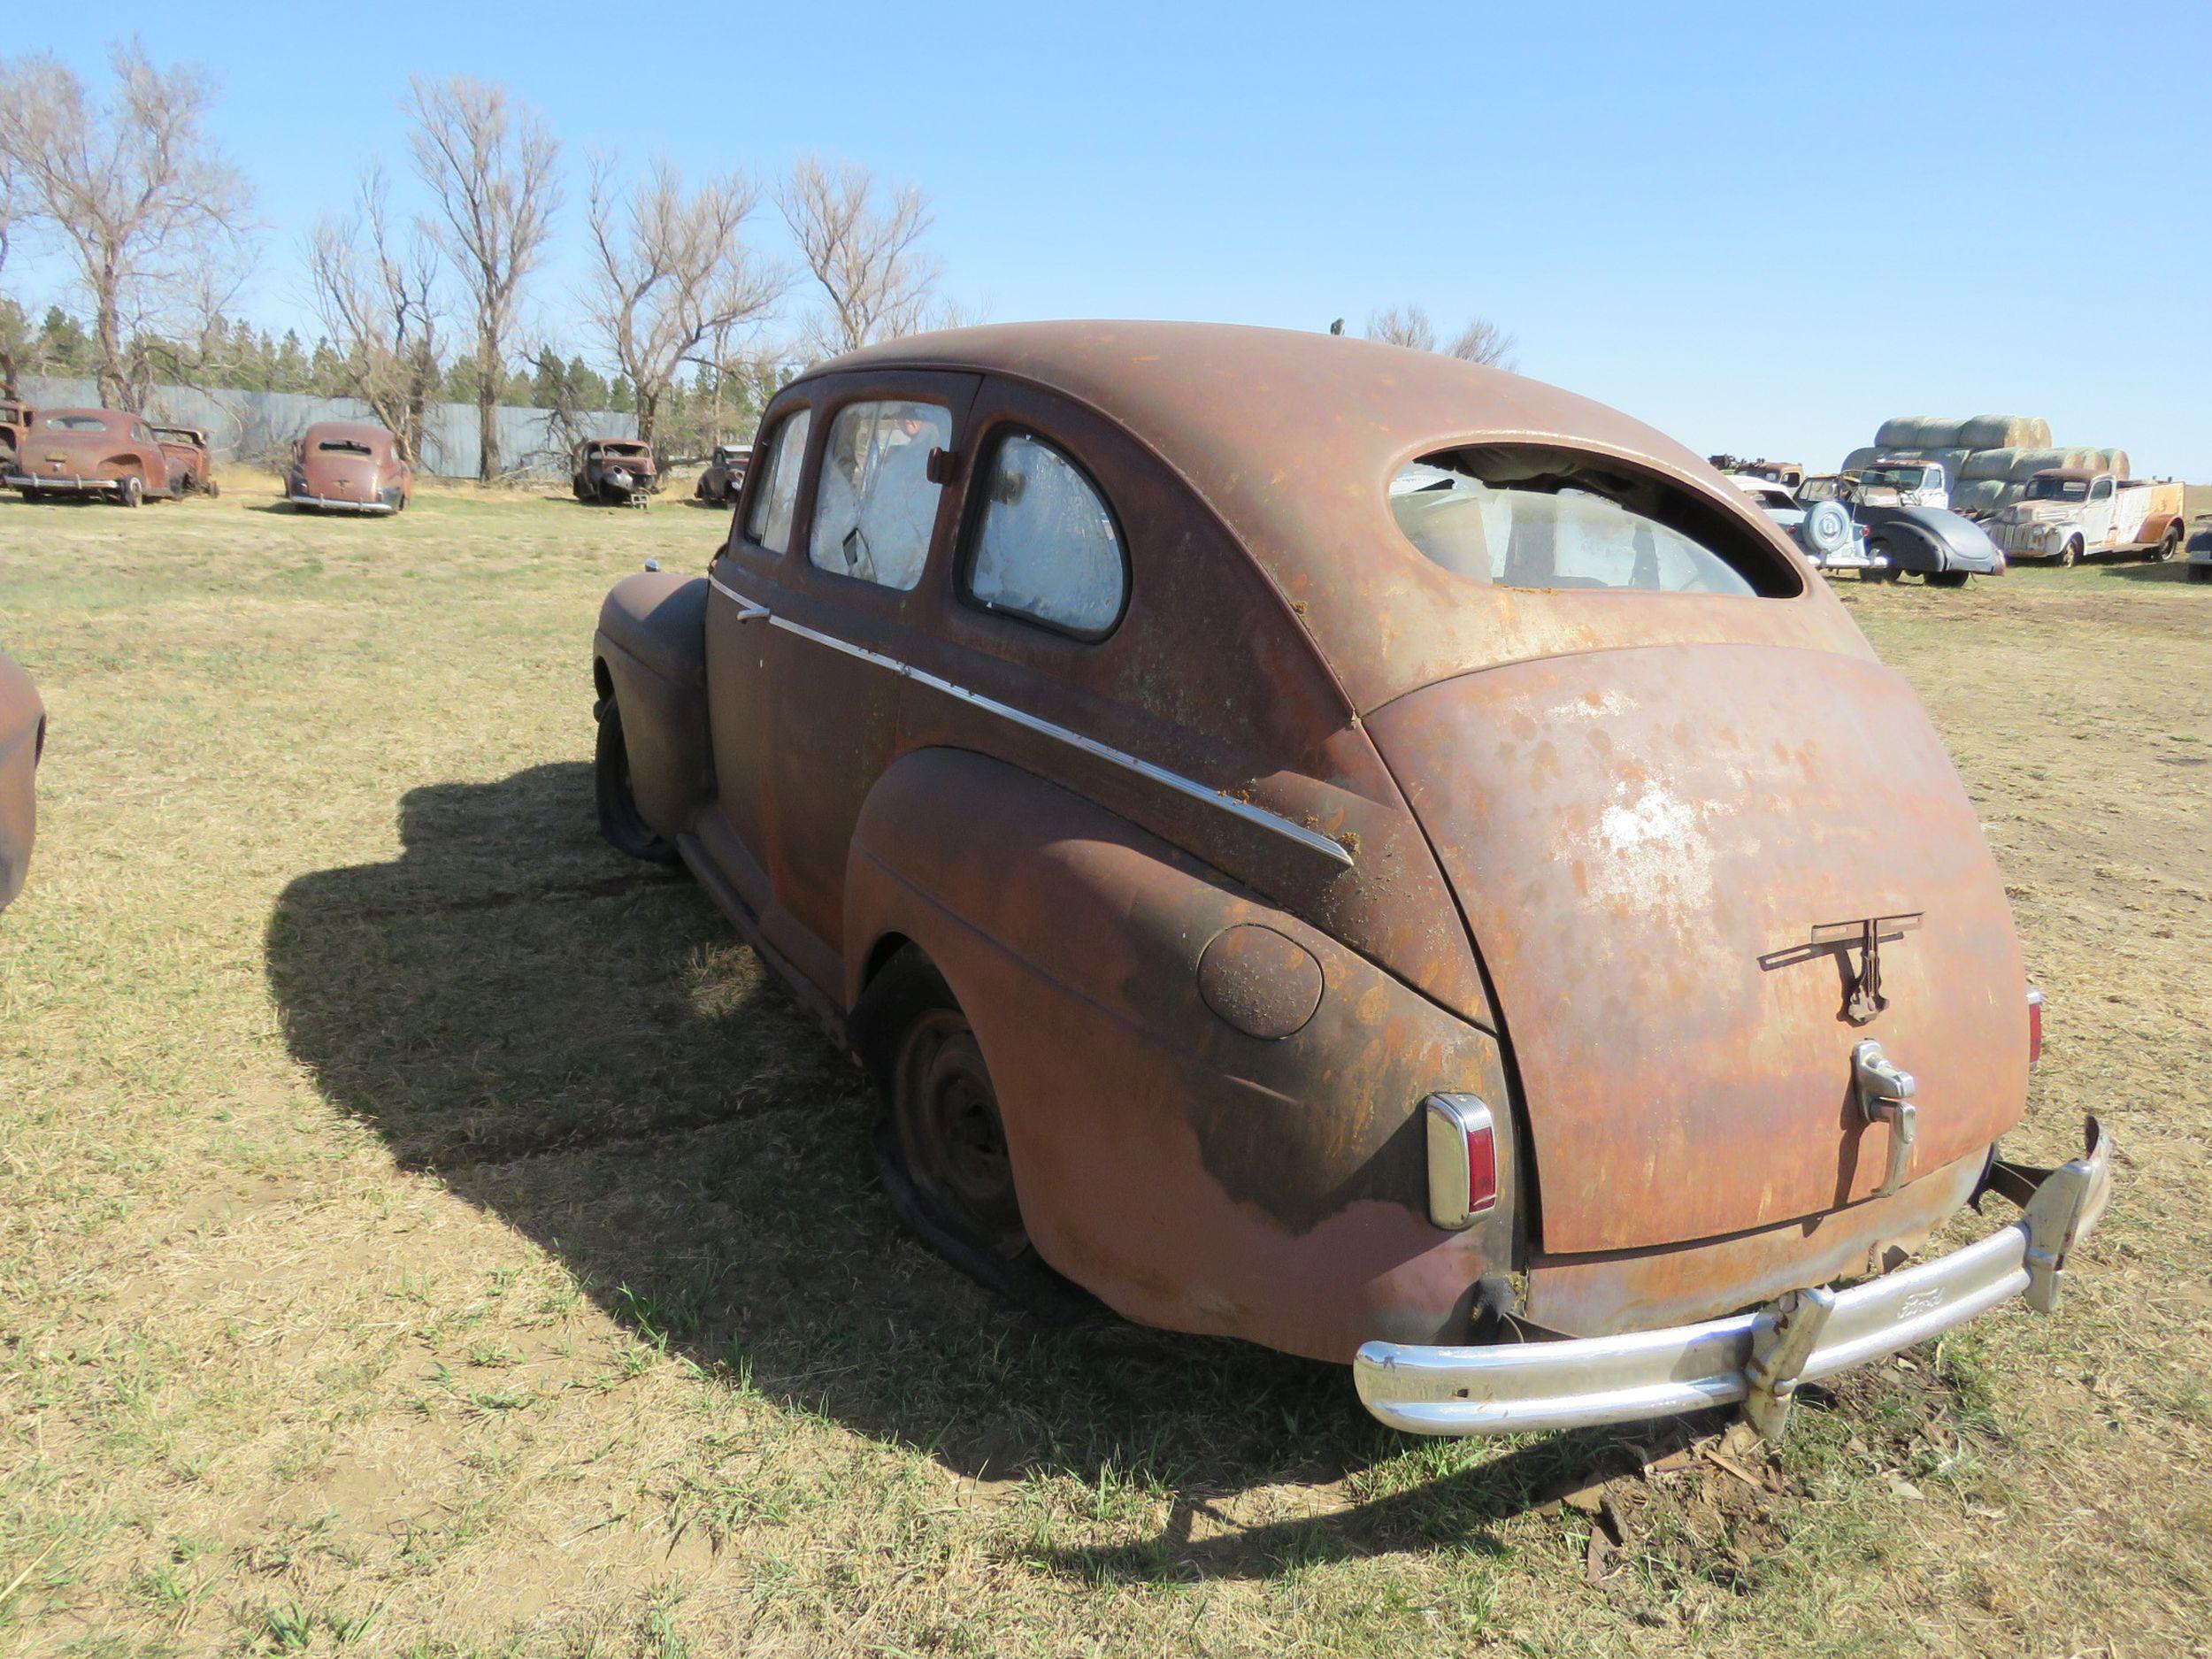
134	191
671	271
376	293
861	243
492	166
1480	341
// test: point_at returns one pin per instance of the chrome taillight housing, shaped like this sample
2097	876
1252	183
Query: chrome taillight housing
1463	1159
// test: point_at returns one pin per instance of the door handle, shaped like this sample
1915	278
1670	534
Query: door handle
748	612
1885	1097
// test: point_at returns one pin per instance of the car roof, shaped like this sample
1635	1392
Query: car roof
1291	438
104	414
354	431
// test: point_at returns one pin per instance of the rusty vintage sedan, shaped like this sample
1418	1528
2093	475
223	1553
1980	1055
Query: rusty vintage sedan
22	742
620	470
107	453
347	466
1330	845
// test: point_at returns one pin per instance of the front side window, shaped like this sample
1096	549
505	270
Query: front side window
2101	490
768	521
876	505
1046	548
1542	518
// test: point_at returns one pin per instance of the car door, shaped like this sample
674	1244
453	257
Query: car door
744	575
2103	529
849	608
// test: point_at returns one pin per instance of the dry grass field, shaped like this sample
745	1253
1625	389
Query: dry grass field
423	1233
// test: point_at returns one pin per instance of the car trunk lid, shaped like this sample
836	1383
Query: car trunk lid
1644	843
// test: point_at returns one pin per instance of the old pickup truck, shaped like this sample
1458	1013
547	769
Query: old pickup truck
2067	513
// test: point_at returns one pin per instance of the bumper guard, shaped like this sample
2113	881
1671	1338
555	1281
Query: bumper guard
1758	1358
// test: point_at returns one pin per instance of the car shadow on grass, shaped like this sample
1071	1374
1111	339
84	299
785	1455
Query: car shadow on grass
579	1045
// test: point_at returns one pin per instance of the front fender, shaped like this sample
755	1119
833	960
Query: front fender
1240	1159
650	654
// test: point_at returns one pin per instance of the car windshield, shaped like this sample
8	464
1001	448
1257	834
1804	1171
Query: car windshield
2058	489
1894	478
1817	489
1517	536
76	423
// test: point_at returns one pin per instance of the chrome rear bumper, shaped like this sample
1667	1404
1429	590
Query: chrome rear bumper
71	486
326	503
1758	1358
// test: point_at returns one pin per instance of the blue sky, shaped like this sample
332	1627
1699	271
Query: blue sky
1761	228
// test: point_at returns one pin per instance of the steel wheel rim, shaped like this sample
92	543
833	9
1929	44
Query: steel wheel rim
951	1133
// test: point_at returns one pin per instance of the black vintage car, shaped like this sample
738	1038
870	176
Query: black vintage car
725	475
1942	546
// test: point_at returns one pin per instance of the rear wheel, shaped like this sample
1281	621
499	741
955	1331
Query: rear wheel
1878	548
131	492
214	488
941	1143
2201	573
619	820
2168	546
1947	578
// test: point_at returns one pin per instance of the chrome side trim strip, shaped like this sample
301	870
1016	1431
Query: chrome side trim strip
1313	841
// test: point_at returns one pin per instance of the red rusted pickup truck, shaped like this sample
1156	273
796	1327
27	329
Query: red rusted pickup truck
1331	845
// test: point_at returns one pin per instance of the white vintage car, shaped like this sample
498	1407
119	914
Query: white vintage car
2066	512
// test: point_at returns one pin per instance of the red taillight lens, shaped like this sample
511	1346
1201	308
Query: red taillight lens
1463	1144
1482	1169
2035	1024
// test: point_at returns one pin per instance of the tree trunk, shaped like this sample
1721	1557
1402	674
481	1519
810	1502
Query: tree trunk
107	336
487	408
648	414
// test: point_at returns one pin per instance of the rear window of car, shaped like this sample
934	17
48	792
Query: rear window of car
76	423
342	446
1510	515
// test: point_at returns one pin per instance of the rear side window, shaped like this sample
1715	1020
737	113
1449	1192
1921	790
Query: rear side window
768	520
875	505
1533	517
1045	548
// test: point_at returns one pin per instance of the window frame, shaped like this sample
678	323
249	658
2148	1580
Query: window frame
756	479
810	496
989	442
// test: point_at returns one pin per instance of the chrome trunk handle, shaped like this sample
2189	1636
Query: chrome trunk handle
1885	1092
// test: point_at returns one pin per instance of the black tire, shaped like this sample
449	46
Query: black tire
940	1145
131	492
619	820
1889	572
214	488
2168	545
2070	555
1948	579
2201	573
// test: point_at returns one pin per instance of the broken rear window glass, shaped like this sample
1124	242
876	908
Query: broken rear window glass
344	446
76	423
1544	519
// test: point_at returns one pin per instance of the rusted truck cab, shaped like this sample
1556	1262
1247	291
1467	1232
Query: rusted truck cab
15	420
22	743
619	472
103	453
1333	846
191	462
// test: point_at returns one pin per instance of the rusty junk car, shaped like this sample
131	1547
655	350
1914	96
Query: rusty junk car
22	740
15	420
347	466
94	452
1282	819
620	470
725	475
191	463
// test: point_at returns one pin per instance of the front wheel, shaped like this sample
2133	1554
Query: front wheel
2070	555
620	820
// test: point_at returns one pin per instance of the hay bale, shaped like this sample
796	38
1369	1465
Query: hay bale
2004	432
1918	432
2023	464
1984	465
1953	461
2112	461
1983	495
1859	460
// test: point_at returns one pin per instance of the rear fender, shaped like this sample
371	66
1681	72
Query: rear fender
649	652
1197	1139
